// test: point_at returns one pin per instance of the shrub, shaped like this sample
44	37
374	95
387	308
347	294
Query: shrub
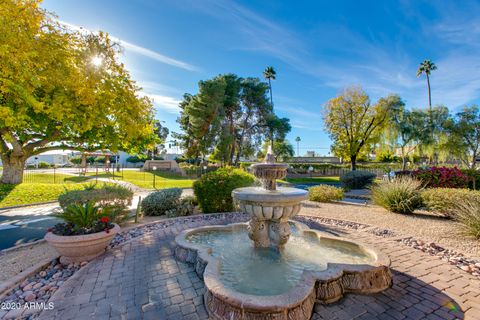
44	165
401	195
325	193
214	190
357	179
441	177
82	219
473	178
159	202
115	198
468	214
446	200
185	207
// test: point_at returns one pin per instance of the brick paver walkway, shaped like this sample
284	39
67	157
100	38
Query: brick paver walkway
142	280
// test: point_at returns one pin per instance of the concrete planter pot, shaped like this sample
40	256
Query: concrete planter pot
81	248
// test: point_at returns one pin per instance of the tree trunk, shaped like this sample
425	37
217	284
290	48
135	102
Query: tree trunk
353	163
13	169
404	163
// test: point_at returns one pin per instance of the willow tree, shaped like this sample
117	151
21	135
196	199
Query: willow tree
61	89
354	123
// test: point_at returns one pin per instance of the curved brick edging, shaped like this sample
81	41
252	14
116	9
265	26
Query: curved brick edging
325	287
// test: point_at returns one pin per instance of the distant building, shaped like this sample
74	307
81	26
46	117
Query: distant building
55	157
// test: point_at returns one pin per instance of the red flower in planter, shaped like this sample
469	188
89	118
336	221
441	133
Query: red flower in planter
104	219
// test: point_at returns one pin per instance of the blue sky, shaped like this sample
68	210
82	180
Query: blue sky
317	48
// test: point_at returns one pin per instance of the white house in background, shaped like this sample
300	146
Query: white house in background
56	157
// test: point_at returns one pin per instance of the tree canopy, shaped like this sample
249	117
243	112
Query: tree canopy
228	118
63	89
354	123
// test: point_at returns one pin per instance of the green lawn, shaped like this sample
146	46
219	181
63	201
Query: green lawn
145	179
312	180
28	193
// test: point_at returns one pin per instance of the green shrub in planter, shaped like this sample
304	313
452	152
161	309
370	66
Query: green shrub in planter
468	214
402	195
325	193
446	200
115	198
214	190
357	179
159	202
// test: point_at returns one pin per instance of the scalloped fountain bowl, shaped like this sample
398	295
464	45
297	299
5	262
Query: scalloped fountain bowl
273	268
245	282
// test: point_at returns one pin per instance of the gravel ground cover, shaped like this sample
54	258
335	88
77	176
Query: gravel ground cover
422	225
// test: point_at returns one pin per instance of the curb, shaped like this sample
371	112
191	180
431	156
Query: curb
20	246
28	205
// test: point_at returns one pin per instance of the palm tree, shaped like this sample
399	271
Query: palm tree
297	139
427	67
269	74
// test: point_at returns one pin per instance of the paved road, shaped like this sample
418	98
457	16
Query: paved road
28	224
25	224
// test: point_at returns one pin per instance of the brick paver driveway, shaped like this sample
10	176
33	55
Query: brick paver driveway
142	280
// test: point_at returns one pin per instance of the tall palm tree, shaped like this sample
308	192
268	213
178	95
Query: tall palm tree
427	67
297	139
269	74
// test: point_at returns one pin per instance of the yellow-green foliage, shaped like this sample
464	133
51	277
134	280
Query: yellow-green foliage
401	195
446	200
325	193
468	214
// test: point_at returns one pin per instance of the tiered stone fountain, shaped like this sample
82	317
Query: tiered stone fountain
288	268
269	209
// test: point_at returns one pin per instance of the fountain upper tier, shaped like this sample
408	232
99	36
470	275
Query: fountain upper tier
269	171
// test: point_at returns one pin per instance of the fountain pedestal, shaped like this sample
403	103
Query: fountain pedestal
269	208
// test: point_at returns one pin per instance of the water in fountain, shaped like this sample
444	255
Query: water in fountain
266	271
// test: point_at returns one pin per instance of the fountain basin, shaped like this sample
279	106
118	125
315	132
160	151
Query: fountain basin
243	282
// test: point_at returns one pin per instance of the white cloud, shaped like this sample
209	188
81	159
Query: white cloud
128	46
165	103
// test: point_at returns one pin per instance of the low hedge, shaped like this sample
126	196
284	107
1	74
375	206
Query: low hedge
357	179
325	193
115	197
446	200
214	190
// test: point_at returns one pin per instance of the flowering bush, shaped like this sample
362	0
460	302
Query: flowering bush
441	177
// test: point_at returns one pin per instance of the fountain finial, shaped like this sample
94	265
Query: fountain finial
269	158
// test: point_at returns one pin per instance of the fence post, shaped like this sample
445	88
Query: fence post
96	174
54	175
113	171
137	212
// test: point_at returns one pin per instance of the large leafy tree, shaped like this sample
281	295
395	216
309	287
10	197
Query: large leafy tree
464	135
61	89
406	128
354	124
232	119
